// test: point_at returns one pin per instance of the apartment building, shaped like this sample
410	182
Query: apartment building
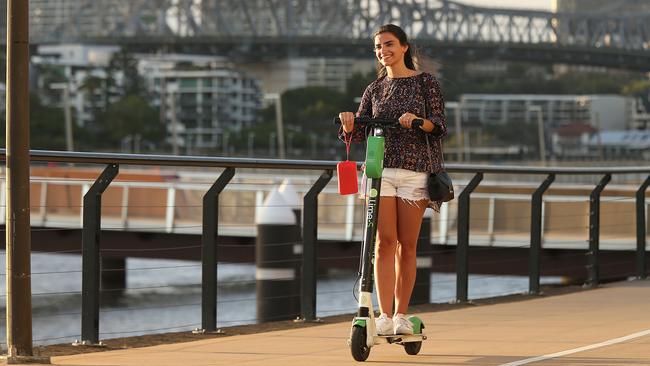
200	97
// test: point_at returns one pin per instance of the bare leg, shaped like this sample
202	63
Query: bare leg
385	254
409	215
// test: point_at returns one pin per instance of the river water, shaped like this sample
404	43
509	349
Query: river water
165	296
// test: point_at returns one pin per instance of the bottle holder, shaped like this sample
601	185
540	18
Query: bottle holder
375	156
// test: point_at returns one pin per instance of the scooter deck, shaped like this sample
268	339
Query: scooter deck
402	338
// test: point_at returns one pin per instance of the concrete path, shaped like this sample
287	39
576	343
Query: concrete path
608	326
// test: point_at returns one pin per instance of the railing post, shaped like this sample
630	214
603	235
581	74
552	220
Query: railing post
309	237
462	245
536	235
424	263
92	217
640	230
594	232
209	234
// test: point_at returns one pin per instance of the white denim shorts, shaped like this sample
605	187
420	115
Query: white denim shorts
406	184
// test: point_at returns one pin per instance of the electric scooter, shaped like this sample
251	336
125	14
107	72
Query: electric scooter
363	335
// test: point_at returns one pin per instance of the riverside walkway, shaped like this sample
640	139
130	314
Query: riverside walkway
606	326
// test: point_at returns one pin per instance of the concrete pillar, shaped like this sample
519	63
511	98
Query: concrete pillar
277	284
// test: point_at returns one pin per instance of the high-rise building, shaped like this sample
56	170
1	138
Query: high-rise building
200	98
83	70
603	112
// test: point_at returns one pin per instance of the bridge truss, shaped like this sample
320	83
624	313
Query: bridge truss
429	22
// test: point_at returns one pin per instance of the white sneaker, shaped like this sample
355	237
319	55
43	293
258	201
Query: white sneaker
402	325
384	325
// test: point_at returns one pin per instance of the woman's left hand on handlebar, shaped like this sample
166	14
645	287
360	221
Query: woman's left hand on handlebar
407	119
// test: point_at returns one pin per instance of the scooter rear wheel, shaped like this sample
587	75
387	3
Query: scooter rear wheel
358	346
412	348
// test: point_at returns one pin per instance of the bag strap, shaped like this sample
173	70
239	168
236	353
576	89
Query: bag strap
426	134
348	142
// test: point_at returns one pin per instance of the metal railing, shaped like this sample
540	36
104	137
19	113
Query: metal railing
92	222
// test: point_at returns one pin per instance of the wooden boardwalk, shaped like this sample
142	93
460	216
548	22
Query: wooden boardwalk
170	202
607	326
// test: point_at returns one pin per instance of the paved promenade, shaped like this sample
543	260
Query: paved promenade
607	326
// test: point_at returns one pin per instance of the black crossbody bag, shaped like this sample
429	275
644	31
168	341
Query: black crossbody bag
439	185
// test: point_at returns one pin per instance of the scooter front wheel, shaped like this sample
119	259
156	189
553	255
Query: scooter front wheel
358	345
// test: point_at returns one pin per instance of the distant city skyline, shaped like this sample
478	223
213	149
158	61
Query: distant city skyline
546	5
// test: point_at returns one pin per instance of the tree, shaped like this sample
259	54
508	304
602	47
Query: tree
312	108
132	82
354	88
518	78
91	85
129	118
46	124
636	87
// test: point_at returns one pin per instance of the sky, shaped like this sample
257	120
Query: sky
546	5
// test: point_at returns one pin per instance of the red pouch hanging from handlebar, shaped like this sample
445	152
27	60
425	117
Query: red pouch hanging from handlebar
346	172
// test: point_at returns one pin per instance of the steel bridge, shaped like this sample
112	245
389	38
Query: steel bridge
261	29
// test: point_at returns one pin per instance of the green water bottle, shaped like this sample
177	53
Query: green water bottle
374	156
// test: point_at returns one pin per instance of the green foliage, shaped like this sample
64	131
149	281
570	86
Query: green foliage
355	87
92	85
526	78
46	125
311	107
51	74
130	116
309	112
636	87
260	131
133	83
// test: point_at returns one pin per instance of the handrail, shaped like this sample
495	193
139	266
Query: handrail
222	162
90	324
171	160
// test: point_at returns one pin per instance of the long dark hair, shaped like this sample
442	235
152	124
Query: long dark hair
410	57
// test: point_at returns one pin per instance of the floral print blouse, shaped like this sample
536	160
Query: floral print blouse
390	98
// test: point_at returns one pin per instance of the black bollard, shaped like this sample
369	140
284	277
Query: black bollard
294	201
422	289
277	295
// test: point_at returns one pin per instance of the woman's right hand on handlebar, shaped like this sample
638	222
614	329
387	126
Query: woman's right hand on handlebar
347	121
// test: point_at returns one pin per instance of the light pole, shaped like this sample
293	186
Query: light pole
251	144
18	295
277	98
458	110
66	112
174	120
540	131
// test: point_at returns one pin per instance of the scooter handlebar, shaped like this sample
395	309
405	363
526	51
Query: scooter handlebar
384	122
